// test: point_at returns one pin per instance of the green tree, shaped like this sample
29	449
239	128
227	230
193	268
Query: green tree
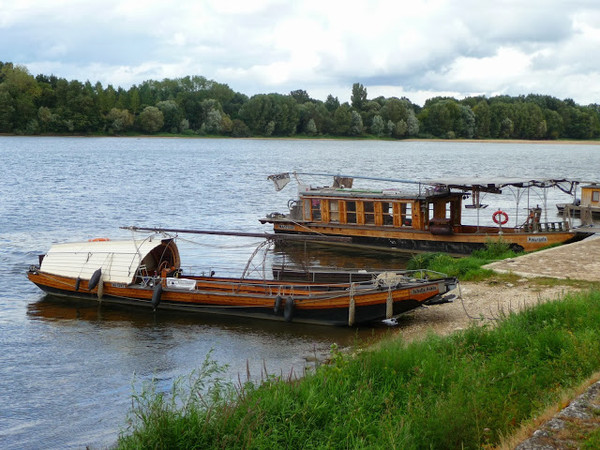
172	115
18	93
440	115
482	120
262	109
378	126
300	96
343	120
412	124
119	120
501	119
212	124
150	119
389	128
359	96
311	127
400	129
240	129
554	124
332	103
356	125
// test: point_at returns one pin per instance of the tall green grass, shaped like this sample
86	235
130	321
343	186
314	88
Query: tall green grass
468	268
462	391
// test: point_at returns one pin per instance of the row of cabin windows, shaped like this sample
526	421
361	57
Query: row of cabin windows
350	211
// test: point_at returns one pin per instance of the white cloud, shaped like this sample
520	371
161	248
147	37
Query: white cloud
394	48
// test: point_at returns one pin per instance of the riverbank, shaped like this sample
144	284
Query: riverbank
470	389
321	138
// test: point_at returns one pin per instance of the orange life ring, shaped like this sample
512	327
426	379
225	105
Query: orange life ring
501	221
98	240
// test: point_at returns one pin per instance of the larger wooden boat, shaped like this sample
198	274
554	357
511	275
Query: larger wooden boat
428	217
147	273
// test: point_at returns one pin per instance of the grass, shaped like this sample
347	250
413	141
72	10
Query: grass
467	268
467	390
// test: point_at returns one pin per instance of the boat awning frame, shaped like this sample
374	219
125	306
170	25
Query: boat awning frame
495	184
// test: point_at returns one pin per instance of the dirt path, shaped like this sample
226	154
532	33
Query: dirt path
481	303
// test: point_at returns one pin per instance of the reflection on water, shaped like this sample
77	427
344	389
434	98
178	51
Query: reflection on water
89	355
64	311
295	254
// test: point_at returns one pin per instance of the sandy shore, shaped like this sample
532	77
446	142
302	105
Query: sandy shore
478	303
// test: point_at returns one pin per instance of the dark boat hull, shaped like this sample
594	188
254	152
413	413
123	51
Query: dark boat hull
458	244
333	310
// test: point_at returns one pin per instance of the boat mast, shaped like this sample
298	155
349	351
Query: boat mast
268	236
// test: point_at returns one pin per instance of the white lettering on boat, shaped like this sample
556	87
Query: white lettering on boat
285	227
537	239
424	289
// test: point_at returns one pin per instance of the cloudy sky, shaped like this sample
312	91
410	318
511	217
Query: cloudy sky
417	48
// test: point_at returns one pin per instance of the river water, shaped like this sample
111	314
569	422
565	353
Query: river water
67	371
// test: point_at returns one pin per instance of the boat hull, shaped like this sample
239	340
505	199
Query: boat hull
415	241
309	303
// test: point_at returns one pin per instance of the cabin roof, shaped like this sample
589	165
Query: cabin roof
359	193
119	260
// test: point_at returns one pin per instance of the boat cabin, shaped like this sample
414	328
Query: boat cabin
437	211
590	195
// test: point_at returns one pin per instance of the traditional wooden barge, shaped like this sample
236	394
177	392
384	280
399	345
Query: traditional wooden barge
148	273
427	218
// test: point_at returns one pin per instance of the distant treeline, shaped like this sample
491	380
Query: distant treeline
194	105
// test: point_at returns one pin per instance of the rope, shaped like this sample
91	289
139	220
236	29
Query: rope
351	306
306	228
190	241
389	304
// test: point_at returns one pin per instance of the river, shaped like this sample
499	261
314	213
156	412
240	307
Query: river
67	371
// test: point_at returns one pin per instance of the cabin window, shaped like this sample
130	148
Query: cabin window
596	196
387	211
406	214
350	212
307	209
369	212
316	208
334	211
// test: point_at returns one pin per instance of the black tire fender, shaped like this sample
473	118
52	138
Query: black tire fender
95	279
156	294
277	305
288	310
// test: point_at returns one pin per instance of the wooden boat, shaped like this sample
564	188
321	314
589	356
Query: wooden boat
148	273
425	218
587	206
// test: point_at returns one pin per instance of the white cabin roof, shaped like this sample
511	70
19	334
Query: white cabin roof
119	260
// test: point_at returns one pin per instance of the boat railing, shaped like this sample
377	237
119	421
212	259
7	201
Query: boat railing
546	227
383	279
